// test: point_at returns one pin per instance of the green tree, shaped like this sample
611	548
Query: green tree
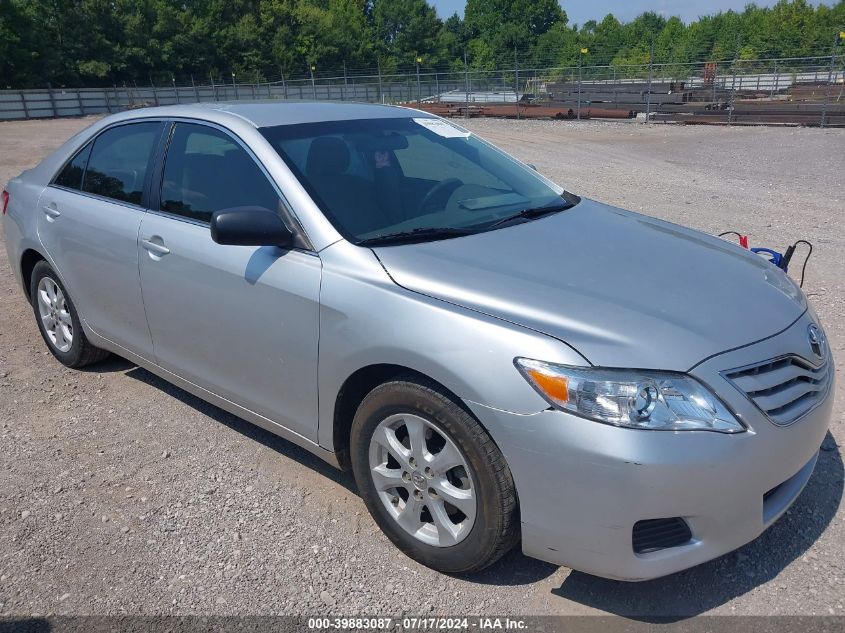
505	25
404	30
100	42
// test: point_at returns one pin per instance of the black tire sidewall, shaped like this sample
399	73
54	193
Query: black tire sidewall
72	357
479	546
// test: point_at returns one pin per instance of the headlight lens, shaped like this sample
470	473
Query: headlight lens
630	398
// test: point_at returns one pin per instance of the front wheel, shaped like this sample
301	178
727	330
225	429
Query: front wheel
433	478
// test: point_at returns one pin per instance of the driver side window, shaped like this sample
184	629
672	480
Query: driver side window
206	171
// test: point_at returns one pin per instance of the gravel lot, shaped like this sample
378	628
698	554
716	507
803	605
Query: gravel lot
122	494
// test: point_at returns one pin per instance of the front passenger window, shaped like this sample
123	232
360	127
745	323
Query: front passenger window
206	171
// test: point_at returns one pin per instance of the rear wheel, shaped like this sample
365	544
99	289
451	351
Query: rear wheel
58	320
433	478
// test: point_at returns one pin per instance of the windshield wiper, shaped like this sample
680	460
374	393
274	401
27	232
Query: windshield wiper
570	200
421	234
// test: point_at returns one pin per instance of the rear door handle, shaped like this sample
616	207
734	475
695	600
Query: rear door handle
51	211
154	247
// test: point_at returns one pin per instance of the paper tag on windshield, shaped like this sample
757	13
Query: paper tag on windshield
442	128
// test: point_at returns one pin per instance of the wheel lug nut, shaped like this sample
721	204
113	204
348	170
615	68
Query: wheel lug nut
394	500
428	472
432	492
406	476
412	462
417	495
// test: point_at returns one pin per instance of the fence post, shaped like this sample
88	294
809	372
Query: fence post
732	96
284	84
196	92
437	86
715	81
466	87
580	57
23	103
155	92
419	85
52	99
343	88
829	80
235	86
380	89
213	87
650	77
175	89
79	101
313	85
516	83
774	86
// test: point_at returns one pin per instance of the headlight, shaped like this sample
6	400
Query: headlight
630	398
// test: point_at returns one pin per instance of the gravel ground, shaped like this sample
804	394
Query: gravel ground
122	494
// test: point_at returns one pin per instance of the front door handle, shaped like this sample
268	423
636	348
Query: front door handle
51	211
154	247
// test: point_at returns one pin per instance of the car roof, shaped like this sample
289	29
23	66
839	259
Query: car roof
272	113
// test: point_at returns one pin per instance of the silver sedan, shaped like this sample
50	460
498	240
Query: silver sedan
495	358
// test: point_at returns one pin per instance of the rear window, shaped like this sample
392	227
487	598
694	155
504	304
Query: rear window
71	175
119	161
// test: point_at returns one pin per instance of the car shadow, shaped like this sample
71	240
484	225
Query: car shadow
513	569
709	585
116	364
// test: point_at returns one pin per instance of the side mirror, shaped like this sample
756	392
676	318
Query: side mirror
250	226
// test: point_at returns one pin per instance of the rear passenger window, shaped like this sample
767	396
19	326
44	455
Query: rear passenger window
71	175
206	171
119	162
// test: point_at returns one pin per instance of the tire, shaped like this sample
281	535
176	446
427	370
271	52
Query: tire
471	540
66	341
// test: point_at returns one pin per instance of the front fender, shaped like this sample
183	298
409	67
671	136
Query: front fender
366	319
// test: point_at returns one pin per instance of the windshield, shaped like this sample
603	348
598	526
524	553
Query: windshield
376	179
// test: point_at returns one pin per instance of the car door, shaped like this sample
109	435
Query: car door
88	221
239	321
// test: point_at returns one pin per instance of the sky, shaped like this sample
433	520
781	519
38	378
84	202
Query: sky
579	11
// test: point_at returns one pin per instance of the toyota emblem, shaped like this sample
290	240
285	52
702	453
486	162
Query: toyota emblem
816	337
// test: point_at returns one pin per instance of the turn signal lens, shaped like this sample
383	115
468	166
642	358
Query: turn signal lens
630	398
554	387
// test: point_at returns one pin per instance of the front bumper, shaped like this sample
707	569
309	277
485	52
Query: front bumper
583	485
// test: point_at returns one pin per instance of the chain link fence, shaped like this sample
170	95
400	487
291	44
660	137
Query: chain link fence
808	91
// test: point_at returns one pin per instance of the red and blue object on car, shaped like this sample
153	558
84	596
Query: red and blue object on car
781	260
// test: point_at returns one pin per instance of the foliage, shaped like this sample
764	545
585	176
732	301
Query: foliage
104	42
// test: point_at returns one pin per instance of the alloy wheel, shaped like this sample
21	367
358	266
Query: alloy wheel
54	313
423	480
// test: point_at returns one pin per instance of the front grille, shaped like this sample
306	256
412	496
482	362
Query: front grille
656	534
785	389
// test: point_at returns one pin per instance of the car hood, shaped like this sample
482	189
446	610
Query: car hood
624	290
